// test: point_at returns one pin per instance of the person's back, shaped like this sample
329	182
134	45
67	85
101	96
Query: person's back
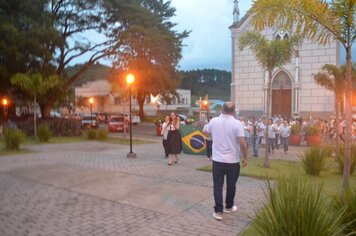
225	131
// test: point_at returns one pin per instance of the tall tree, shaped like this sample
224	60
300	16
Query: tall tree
270	55
152	48
321	21
34	85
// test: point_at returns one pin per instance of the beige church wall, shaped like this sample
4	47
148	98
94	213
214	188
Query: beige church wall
248	77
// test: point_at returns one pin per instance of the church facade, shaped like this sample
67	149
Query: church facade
294	92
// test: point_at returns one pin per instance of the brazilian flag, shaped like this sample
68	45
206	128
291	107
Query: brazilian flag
193	139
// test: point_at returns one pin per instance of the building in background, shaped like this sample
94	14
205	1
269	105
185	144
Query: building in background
294	92
108	102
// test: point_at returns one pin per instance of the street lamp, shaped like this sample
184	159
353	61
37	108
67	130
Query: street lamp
91	102
4	103
130	79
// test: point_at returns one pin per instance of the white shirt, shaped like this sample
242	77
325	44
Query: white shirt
165	130
225	131
285	131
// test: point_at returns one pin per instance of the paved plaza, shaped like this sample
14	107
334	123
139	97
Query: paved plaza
91	188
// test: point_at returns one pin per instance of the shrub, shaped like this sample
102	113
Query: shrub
295	207
313	129
44	133
314	159
296	129
340	158
13	138
91	134
102	134
348	204
57	126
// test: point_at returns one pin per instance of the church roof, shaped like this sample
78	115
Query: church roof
238	24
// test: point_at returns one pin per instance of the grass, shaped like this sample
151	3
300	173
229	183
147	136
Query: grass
330	176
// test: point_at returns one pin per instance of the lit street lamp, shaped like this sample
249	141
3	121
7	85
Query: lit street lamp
130	79
91	102
5	103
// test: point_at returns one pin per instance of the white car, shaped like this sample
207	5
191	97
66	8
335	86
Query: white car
88	121
135	119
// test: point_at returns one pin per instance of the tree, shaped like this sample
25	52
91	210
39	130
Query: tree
34	85
321	21
270	55
152	48
25	31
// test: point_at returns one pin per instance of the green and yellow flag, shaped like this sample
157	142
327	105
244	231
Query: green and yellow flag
193	140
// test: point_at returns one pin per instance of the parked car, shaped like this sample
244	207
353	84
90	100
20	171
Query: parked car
88	121
118	123
135	119
55	114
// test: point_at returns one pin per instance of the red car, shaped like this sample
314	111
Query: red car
118	123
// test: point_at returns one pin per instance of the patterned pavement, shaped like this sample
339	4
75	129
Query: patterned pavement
91	188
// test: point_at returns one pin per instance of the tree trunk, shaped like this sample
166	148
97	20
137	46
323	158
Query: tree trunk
348	110
35	116
141	101
46	110
266	162
337	114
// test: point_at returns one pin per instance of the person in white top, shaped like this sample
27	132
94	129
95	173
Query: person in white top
164	134
285	133
229	140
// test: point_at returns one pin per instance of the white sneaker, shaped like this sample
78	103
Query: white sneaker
229	210
218	215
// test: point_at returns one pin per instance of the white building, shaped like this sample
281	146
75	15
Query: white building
294	92
106	101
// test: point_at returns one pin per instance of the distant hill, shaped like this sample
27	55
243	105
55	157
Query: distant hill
215	83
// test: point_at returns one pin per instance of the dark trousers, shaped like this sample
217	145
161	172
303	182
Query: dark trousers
165	146
209	148
232	172
284	142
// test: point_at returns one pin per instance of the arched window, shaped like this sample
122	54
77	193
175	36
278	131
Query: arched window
282	34
282	81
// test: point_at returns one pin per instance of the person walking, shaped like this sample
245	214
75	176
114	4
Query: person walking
229	140
285	133
174	143
164	134
271	136
254	130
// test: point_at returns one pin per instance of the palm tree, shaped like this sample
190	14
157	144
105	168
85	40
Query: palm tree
34	85
270	55
332	78
321	21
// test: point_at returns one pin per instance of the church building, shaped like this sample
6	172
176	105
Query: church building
294	92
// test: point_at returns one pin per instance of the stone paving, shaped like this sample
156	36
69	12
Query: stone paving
91	188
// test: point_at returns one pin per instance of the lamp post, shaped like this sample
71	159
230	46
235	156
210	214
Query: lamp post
4	103
91	102
130	79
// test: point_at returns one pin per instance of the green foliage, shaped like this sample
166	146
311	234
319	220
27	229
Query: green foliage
102	134
57	126
13	138
91	134
296	129
313	130
44	133
348	204
314	159
296	207
340	158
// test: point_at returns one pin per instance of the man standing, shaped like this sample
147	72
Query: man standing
228	136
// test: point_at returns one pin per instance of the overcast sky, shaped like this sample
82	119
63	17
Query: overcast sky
209	43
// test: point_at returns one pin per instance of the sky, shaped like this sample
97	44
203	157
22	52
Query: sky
209	43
